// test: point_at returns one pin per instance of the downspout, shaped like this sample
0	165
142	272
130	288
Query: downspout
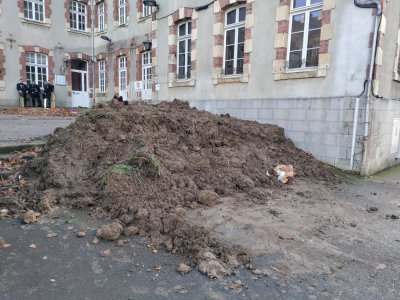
378	6
93	54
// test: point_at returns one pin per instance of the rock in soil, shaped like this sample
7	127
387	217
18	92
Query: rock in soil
149	165
184	269
110	231
130	230
30	217
81	233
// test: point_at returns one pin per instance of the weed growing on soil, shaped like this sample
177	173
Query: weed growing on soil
119	170
141	160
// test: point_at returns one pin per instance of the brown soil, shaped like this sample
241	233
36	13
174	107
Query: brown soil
149	167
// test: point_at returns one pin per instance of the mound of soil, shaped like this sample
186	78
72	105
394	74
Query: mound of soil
146	166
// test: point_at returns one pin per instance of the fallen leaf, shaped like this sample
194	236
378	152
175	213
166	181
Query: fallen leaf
33	246
95	240
51	234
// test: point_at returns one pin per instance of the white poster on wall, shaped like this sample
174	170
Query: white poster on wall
61	80
395	136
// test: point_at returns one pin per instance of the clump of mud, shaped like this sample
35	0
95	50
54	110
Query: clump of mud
146	166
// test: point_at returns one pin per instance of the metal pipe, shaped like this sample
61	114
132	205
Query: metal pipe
93	54
353	139
378	6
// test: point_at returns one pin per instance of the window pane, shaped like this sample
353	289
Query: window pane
312	58
181	60
242	14
230	37
229	67
239	68
299	3
316	1
313	38
182	47
240	51
315	19
230	51
231	17
298	23
182	30
241	35
296	41
295	60
189	28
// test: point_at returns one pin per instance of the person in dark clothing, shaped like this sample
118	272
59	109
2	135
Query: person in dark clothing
35	94
22	89
48	91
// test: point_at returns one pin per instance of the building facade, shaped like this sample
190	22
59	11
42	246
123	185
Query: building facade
300	64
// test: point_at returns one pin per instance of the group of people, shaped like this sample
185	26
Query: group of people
34	91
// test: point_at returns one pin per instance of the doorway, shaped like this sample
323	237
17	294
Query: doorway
79	77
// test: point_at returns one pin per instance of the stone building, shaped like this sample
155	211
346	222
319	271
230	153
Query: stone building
300	64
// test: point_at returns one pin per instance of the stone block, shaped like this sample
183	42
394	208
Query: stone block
297	114
301	126
316	115
281	114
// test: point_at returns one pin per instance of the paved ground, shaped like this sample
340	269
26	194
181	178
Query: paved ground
365	264
20	130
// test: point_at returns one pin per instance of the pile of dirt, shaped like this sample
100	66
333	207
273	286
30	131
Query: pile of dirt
146	166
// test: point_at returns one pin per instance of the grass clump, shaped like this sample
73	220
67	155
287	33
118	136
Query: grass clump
118	170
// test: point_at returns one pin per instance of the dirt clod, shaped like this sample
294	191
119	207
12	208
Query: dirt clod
208	198
110	231
30	217
184	269
81	233
130	231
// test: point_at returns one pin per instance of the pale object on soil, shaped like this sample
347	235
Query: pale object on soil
284	172
110	232
3	212
184	269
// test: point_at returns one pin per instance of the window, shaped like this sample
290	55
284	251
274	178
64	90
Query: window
146	10
184	50
102	76
122	74
36	68
34	10
146	76
234	41
122	12
305	33
101	13
78	16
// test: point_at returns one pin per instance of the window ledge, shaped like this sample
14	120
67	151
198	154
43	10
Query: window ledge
143	19
38	23
182	83
78	31
301	74
244	78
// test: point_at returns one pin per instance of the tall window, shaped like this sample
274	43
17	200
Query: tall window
102	76
146	10
77	15
122	12
101	13
122	74
304	34
146	76
234	40
34	10
36	68
184	50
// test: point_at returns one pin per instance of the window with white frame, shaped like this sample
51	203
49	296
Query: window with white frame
77	16
184	48
101	15
122	12
304	34
146	10
123	71
36	68
102	76
234	41
34	10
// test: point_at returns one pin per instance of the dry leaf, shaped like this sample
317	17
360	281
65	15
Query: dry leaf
33	246
51	234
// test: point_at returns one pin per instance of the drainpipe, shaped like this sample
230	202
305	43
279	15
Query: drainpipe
378	6
93	54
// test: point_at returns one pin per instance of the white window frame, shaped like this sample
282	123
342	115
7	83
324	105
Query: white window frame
122	8
37	62
147	10
78	16
306	10
102	76
36	9
187	40
235	26
122	73
101	17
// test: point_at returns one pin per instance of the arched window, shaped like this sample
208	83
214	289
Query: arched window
36	68
184	48
234	40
